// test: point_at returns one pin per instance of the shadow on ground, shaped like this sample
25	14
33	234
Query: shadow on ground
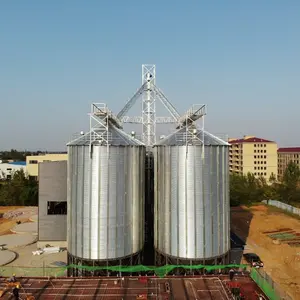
240	225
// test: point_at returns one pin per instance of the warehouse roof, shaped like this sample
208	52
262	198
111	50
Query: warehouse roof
115	137
18	163
195	137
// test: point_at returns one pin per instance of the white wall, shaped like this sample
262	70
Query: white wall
8	169
284	206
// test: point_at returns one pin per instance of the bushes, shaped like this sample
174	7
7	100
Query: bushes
247	189
19	191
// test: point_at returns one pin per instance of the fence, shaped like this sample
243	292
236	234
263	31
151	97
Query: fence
7	271
162	271
284	206
268	286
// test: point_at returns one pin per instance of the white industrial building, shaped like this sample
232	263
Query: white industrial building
7	169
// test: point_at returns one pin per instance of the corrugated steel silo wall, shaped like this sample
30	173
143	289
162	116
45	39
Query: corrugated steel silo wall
191	201
106	201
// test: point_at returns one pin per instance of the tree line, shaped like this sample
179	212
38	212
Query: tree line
16	155
248	189
20	190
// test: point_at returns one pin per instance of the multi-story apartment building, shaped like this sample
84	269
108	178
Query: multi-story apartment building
286	155
32	162
254	155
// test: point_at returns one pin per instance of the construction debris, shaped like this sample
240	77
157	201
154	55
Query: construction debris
48	250
37	252
21	213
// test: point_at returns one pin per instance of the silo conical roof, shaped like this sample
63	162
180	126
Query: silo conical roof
114	136
192	136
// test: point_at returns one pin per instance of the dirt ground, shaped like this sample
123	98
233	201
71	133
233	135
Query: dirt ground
281	261
7	224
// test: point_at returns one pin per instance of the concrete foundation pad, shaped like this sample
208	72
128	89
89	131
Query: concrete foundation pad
34	218
62	244
10	241
31	227
7	256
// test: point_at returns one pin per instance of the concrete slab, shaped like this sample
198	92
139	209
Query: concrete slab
34	218
10	241
7	256
61	244
27	264
31	227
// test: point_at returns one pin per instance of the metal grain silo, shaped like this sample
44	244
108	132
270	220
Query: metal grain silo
106	200
191	176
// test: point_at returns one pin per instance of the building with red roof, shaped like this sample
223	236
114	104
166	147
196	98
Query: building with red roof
285	156
255	155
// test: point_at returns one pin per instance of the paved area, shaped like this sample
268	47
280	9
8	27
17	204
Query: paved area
6	256
10	241
30	227
34	218
27	264
204	288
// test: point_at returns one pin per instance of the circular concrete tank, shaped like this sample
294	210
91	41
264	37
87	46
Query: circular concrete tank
6	257
31	227
17	240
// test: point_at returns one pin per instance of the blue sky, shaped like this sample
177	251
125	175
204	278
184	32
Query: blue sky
241	58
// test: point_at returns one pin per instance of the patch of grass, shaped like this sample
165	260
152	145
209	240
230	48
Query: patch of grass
276	210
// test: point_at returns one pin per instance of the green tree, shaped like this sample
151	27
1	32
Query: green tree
16	155
270	189
20	190
272	178
291	175
289	189
236	189
247	189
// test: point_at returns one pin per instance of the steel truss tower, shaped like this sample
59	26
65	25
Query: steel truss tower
150	94
148	106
